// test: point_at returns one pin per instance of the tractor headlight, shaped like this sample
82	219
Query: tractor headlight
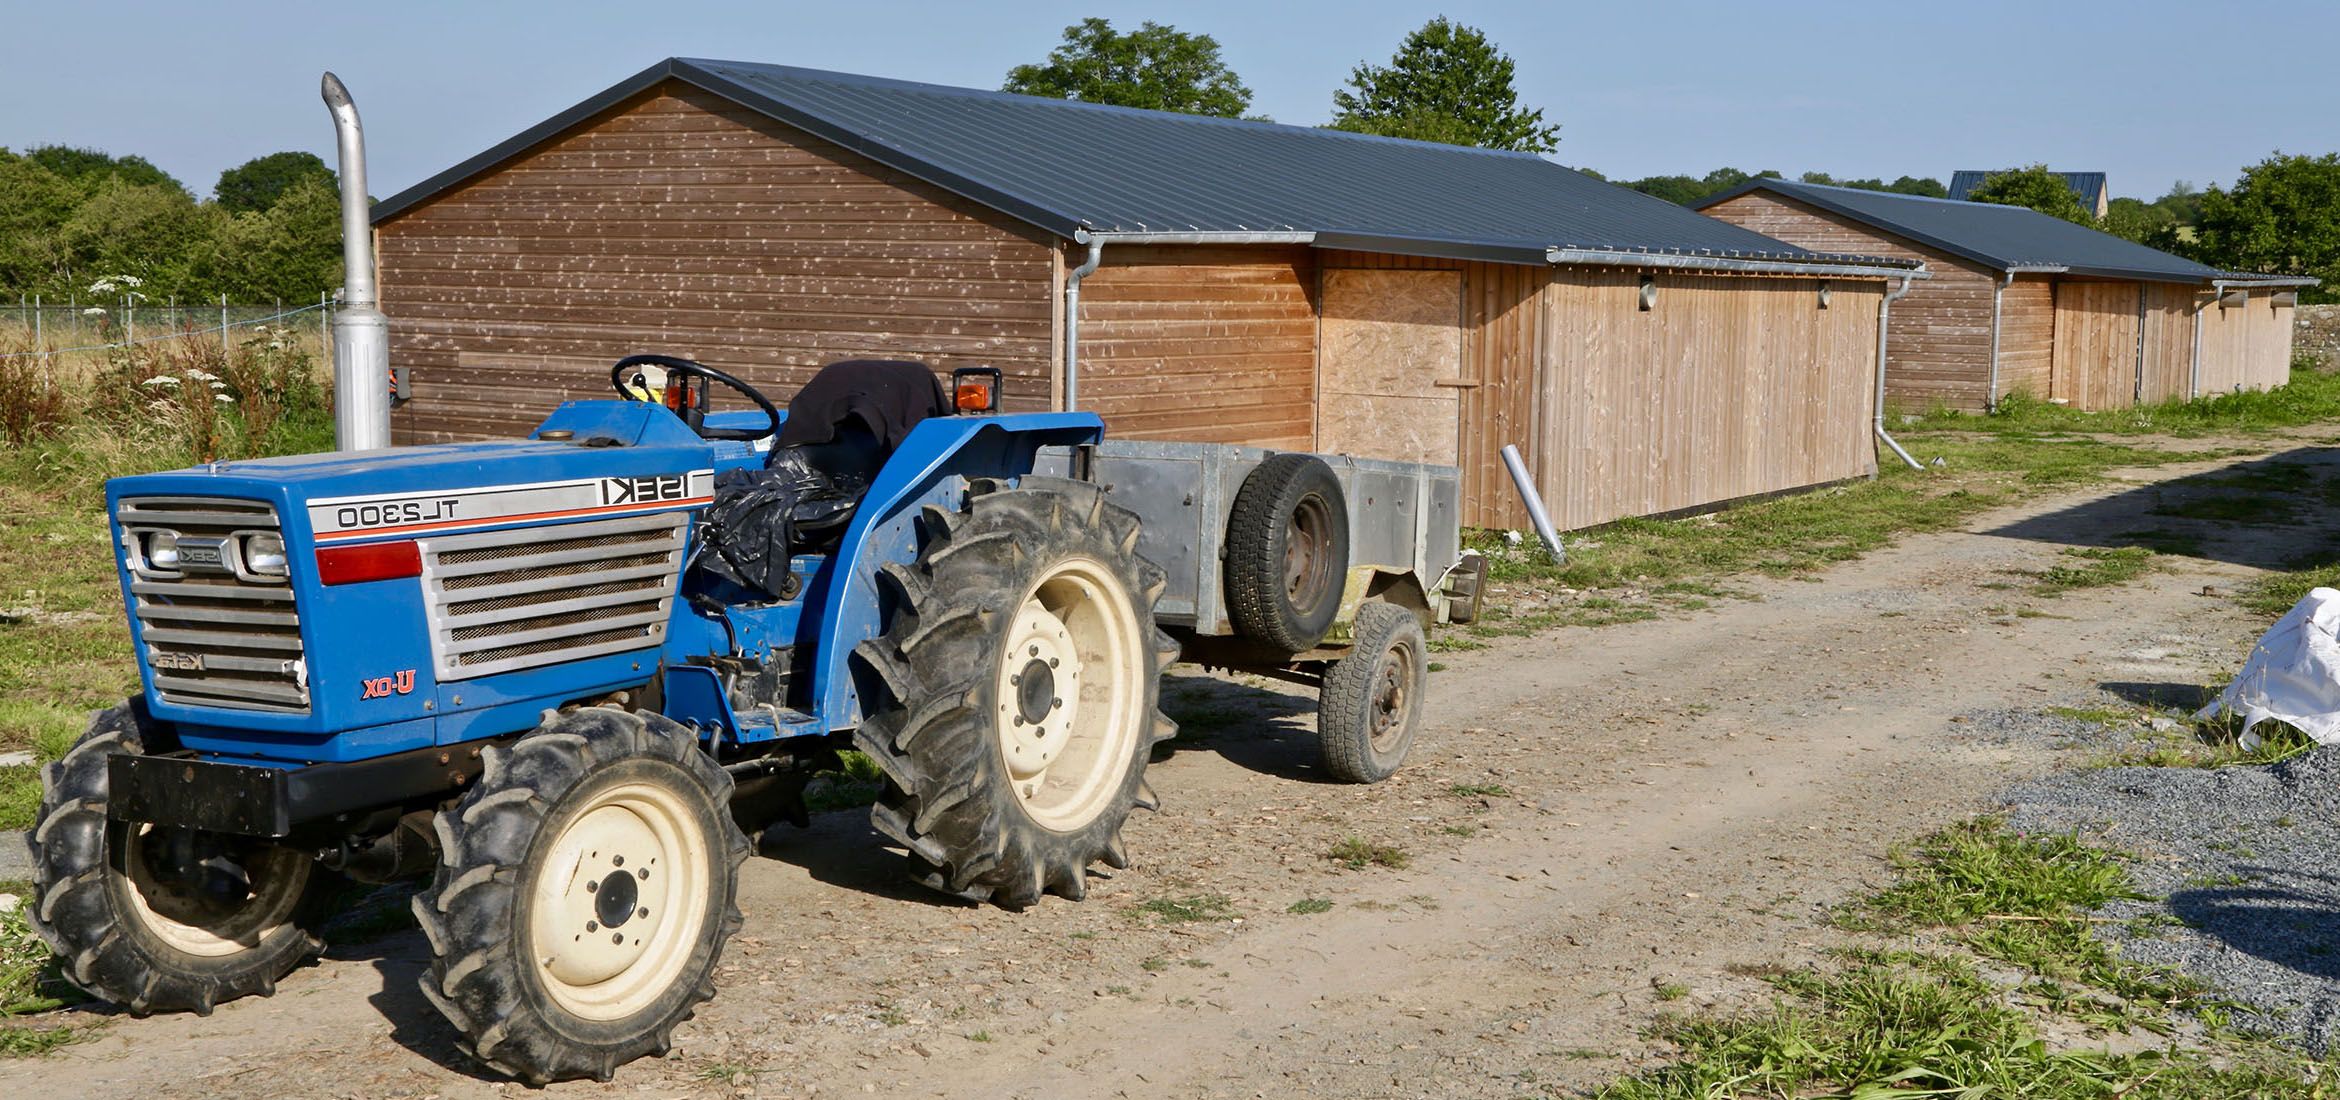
162	550
264	554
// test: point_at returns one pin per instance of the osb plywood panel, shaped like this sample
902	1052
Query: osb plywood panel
1214	345
678	222
1938	346
1502	333
2096	344
1728	388
2027	335
1388	340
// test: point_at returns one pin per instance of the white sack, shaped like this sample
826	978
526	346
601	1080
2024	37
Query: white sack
2293	675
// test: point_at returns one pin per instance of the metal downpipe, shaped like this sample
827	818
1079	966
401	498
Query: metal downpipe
1998	300
1072	319
361	334
1884	316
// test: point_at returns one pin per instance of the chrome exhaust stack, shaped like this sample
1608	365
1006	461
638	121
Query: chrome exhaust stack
361	334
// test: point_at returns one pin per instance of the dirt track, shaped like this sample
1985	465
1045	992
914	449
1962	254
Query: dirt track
1681	796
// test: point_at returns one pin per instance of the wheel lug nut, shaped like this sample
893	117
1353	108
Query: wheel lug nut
617	861
644	873
593	887
1035	650
1052	662
593	926
642	912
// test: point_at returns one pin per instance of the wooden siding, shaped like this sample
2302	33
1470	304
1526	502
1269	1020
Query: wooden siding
2247	346
1214	345
679	222
1502	326
2168	362
2096	344
2027	335
1938	348
1728	388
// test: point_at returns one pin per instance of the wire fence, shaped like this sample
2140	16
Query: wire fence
79	327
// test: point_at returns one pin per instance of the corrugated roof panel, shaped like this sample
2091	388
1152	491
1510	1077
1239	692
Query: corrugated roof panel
1997	236
1067	166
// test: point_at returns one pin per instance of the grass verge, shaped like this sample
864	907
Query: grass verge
1903	1024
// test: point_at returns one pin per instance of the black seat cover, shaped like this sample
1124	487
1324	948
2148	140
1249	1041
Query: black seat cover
841	428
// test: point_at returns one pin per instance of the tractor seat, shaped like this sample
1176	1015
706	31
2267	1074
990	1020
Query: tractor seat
841	428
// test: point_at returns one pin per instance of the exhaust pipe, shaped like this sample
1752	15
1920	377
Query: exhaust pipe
361	334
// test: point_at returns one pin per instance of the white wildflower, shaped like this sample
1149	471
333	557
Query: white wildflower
223	399
93	311
201	375
160	380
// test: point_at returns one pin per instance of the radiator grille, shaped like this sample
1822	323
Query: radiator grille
509	600
213	639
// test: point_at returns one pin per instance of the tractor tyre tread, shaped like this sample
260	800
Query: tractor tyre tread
77	913
941	799
470	912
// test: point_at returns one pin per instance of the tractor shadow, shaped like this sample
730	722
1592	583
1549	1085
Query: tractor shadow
378	928
841	849
2277	512
1258	725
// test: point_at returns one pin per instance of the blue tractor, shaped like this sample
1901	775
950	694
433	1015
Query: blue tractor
566	677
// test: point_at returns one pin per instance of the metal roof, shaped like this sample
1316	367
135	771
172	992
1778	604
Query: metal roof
2005	238
1084	170
2086	186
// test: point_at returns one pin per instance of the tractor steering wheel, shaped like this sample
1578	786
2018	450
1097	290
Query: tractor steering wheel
689	404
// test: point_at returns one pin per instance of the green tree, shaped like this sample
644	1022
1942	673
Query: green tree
289	251
154	232
1922	186
1157	67
1684	190
256	184
34	203
92	168
1446	83
2034	187
2281	218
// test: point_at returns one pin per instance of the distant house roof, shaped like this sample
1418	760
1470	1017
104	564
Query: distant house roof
1083	170
2005	238
2086	186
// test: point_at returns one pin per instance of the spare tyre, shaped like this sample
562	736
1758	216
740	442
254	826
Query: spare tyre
1287	552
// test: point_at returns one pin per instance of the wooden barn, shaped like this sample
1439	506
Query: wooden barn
2021	302
1187	277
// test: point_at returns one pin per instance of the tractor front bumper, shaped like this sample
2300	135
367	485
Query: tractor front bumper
181	789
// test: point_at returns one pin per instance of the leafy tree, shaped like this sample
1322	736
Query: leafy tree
34	202
2034	187
92	168
154	232
1446	83
2136	220
2282	218
1684	190
1922	186
288	251
1157	67
256	184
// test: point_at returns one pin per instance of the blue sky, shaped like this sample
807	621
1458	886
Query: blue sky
2150	92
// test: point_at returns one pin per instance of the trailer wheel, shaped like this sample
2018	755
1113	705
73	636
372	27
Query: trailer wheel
159	919
1287	552
585	888
1014	693
1371	700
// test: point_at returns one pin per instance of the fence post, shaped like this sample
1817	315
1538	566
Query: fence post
325	325
39	344
224	353
129	320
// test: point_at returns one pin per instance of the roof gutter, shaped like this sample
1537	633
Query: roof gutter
1729	264
1083	236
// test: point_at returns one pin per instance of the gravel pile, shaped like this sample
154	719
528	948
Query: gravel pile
2247	857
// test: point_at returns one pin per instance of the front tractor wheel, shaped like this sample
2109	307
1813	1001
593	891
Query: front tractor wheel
1017	689
160	919
585	889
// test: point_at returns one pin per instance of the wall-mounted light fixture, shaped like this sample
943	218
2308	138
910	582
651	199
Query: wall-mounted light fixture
1824	294
1648	292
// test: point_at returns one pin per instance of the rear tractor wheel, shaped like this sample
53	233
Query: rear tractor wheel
163	919
1015	691
585	889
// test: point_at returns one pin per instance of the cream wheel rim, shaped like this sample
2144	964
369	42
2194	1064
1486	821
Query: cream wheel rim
1069	700
619	901
208	919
